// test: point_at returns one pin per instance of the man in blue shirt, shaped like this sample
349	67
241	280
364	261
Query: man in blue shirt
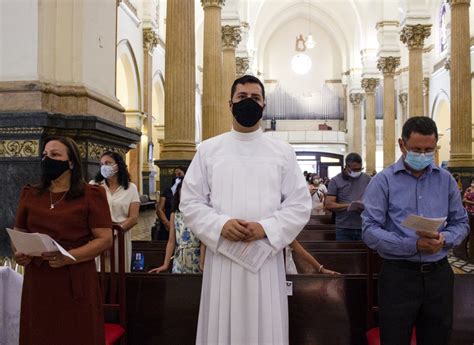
344	188
416	281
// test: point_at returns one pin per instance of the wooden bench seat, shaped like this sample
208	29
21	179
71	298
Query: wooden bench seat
146	202
319	235
344	257
327	310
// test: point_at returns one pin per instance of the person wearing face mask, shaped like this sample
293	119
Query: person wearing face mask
122	196
244	187
164	207
416	281
347	187
61	298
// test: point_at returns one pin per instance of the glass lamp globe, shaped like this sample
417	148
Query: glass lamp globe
301	63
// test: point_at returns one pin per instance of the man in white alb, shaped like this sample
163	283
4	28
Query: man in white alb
244	186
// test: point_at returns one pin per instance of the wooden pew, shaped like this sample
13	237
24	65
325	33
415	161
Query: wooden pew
343	257
319	227
152	251
324	310
316	235
321	219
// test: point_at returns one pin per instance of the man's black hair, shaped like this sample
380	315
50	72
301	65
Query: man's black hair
353	158
419	124
244	80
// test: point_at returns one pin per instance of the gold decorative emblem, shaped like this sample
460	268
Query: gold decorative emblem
19	148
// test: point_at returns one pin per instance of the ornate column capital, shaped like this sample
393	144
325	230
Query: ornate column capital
414	35
356	98
212	3
403	98
426	86
231	36
369	84
447	64
150	39
388	65
459	2
242	65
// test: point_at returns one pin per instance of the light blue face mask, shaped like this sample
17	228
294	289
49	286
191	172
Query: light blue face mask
419	161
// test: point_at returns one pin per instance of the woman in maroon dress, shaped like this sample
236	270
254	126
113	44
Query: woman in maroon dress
61	300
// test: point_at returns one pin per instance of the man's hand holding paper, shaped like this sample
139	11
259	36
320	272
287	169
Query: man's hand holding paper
431	241
430	244
356	206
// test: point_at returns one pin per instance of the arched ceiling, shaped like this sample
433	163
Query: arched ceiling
340	19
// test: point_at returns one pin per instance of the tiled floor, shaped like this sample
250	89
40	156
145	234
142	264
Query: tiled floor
142	232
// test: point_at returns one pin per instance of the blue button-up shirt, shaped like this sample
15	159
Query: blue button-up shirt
394	194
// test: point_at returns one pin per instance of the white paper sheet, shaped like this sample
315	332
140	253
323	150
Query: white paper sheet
419	223
250	255
355	206
34	244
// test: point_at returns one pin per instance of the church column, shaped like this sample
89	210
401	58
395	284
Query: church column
461	117
388	65
179	143
356	100
426	96
414	36
150	41
212	69
369	85
403	99
56	80
230	40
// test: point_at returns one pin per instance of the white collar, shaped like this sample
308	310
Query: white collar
247	136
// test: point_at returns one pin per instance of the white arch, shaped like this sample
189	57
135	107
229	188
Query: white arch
442	116
158	97
126	60
270	16
441	96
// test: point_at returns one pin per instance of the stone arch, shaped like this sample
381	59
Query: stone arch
128	89
441	114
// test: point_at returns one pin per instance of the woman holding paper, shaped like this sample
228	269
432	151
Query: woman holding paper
61	299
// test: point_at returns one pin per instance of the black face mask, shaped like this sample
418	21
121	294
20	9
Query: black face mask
53	168
247	112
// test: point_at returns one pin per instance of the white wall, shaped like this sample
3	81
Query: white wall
279	51
98	42
18	40
127	29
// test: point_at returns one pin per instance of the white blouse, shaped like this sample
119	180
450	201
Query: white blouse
120	200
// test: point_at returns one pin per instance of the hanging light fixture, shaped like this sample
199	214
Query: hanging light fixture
310	43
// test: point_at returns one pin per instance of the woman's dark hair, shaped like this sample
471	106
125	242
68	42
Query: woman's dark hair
76	183
177	198
123	177
419	124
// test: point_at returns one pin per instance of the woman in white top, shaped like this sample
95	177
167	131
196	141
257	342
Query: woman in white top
122	195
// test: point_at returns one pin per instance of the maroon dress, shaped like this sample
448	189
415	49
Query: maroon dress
62	305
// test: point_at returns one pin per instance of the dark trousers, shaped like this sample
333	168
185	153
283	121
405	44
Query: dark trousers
411	298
